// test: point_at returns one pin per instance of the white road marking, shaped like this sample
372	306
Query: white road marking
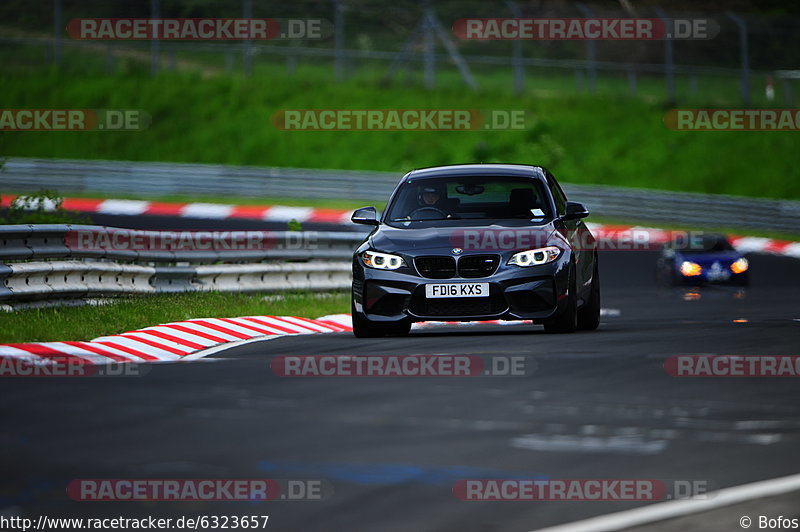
127	207
207	210
284	214
678	508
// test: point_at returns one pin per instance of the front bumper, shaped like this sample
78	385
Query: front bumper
735	279
515	293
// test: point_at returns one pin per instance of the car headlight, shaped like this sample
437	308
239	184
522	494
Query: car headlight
534	257
740	266
690	269
382	261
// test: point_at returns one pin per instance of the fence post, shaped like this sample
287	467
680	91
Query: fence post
247	49
591	50
745	56
787	91
338	39
228	58
154	44
579	80
632	80
57	31
456	57
110	58
430	57
516	53
669	63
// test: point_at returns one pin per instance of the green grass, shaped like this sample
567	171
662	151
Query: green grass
603	139
87	322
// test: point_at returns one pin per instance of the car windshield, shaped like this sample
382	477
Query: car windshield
469	198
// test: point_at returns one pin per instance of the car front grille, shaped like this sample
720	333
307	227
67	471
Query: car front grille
469	267
474	266
466	306
436	267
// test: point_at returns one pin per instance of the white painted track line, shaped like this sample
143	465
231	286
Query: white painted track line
678	508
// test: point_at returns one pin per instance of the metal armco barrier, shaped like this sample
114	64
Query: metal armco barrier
81	271
74	279
152	179
275	277
52	241
30	281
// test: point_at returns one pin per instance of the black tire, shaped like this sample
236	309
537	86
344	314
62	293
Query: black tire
362	327
589	314
567	320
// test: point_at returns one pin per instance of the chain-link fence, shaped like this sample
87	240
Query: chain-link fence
752	59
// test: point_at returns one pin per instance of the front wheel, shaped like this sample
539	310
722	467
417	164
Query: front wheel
363	328
589	315
567	320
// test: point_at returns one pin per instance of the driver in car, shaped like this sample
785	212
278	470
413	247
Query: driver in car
431	203
432	197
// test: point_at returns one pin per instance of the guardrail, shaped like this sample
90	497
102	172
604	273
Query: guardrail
52	241
153	179
91	263
30	281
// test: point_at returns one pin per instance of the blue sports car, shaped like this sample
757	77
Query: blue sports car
705	259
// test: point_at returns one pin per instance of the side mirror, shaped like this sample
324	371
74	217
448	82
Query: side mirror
575	211
366	216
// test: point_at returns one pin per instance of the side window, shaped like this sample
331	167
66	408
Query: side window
558	196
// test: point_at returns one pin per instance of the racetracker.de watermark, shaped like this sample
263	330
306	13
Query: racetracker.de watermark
198	29
401	366
733	366
607	238
76	367
603	489
74	120
208	489
398	119
733	119
581	29
112	239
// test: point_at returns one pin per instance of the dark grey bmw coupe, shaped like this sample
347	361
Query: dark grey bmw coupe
476	242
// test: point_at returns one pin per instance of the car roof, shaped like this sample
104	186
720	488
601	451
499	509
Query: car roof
521	170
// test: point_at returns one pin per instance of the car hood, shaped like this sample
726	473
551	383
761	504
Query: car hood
412	240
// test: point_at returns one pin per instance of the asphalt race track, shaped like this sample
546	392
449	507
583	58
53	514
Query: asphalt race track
597	405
